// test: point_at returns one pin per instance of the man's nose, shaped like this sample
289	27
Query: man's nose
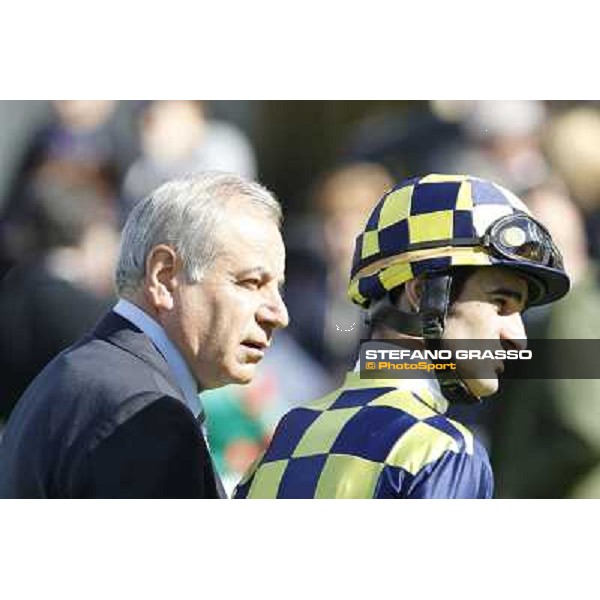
512	332
274	312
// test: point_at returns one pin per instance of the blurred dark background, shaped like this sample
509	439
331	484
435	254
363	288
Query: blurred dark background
70	171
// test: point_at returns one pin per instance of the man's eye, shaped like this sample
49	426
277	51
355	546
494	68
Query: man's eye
251	284
501	303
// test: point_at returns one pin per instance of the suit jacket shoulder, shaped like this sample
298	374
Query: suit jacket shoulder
109	397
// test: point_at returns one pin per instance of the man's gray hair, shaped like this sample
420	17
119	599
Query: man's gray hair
185	214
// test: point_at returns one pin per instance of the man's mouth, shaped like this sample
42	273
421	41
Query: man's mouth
256	348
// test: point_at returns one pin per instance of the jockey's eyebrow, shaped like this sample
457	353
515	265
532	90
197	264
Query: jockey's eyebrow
509	293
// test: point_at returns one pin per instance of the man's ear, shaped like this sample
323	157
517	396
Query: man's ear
161	277
412	291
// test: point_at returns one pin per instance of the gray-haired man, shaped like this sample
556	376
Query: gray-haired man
199	276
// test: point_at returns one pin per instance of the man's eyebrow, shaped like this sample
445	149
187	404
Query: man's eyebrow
252	271
502	291
261	271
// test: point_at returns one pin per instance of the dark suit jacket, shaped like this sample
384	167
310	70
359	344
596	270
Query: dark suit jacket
105	419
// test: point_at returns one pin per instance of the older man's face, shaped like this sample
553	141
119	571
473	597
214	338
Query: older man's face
224	324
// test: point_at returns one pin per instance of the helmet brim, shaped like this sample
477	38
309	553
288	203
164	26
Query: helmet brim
548	285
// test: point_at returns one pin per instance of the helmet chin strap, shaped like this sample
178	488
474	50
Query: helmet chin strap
429	324
435	301
384	312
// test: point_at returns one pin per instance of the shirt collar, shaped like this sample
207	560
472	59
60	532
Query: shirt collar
426	387
181	372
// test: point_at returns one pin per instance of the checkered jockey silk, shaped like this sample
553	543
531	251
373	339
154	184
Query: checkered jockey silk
370	439
416	213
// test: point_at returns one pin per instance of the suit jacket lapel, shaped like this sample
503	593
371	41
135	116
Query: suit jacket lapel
122	333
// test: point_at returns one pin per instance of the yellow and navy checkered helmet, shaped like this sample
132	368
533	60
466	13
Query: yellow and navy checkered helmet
428	225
